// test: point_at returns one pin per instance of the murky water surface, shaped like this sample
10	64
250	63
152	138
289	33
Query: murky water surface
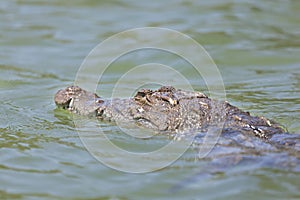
256	45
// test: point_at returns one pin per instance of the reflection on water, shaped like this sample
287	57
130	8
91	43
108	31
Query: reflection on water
256	45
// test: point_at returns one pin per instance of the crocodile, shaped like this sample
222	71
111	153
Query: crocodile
254	141
167	109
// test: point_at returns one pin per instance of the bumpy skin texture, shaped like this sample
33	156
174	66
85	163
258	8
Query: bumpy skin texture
257	141
167	109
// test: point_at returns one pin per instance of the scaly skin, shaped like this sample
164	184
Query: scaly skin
167	109
244	137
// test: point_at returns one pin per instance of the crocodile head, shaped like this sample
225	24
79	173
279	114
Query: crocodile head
77	100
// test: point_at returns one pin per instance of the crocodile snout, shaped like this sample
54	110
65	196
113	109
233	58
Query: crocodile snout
64	98
77	100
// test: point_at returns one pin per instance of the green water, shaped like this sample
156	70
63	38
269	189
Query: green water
256	45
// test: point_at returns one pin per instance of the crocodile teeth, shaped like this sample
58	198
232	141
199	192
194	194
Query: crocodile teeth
71	104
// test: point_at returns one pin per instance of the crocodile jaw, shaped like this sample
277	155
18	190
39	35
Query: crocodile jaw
78	100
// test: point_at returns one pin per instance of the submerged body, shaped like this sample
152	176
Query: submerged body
168	110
